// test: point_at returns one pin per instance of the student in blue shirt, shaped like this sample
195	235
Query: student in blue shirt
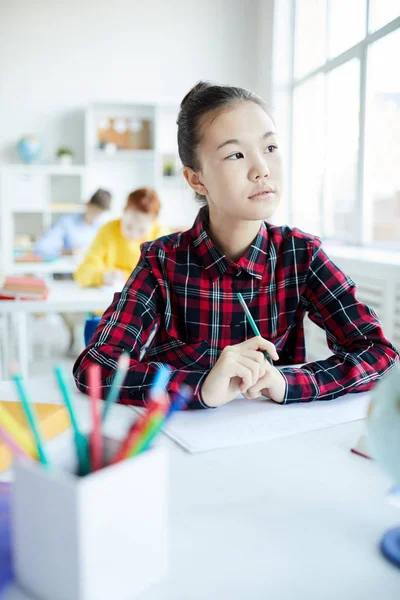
74	233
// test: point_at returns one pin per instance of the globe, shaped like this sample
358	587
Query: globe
29	149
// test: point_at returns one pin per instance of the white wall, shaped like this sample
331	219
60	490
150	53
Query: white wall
57	55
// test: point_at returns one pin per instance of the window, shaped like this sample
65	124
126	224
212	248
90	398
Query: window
307	159
309	49
382	12
341	156
382	144
346	24
341	99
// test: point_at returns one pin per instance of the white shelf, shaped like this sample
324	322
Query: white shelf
123	155
45	169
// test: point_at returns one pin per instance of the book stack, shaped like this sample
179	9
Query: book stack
23	288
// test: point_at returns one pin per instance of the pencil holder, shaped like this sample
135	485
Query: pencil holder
90	538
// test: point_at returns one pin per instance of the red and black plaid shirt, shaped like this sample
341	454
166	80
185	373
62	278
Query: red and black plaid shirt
179	307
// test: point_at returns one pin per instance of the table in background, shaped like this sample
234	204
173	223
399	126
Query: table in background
64	296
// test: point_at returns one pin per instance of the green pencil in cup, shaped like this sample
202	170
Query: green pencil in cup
31	418
252	323
82	449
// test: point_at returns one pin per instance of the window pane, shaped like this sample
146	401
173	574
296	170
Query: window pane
310	28
382	149
346	24
307	171
343	102
382	12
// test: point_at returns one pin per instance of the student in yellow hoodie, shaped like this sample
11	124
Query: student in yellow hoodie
115	250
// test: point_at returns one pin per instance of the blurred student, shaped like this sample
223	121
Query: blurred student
73	234
115	250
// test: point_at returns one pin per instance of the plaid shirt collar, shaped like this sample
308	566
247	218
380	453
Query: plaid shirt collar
216	263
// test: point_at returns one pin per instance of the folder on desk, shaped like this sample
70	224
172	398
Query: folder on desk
53	419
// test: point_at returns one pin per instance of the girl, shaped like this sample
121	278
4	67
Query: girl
180	305
116	249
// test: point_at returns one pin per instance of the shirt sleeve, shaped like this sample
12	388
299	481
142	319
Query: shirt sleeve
91	270
130	324
51	243
362	354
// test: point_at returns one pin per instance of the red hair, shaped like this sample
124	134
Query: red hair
144	200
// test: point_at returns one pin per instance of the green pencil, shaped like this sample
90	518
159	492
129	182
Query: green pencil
82	449
252	323
31	417
149	434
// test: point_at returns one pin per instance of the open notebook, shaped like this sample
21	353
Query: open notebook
248	421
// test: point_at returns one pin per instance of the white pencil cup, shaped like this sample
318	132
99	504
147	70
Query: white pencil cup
97	537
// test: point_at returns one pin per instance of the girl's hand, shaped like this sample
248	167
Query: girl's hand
272	385
237	370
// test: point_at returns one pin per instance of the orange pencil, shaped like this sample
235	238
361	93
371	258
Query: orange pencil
96	440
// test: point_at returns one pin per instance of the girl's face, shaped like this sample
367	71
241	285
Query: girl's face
135	225
240	163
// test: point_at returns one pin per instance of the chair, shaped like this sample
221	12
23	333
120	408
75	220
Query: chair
90	328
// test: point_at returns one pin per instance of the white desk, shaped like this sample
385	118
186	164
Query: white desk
295	518
64	296
64	264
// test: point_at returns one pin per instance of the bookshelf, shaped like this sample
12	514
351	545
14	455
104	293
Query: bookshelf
125	147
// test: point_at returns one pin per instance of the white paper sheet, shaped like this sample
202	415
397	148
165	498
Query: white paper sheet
248	421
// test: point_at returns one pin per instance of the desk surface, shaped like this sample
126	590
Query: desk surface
64	296
295	518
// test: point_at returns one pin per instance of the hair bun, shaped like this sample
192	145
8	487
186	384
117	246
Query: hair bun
197	89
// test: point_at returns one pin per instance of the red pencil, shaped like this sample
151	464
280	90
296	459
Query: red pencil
96	441
156	405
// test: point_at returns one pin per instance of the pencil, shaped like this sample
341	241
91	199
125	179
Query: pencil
153	427
158	421
252	323
12	443
160	381
123	364
82	449
96	441
181	400
17	431
31	418
157	405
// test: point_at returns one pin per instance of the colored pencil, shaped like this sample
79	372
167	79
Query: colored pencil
96	441
123	365
181	400
31	418
153	427
179	403
160	381
139	427
252	323
82	448
12	443
8	421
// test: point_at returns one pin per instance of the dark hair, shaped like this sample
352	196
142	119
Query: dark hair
204	98
101	199
145	200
